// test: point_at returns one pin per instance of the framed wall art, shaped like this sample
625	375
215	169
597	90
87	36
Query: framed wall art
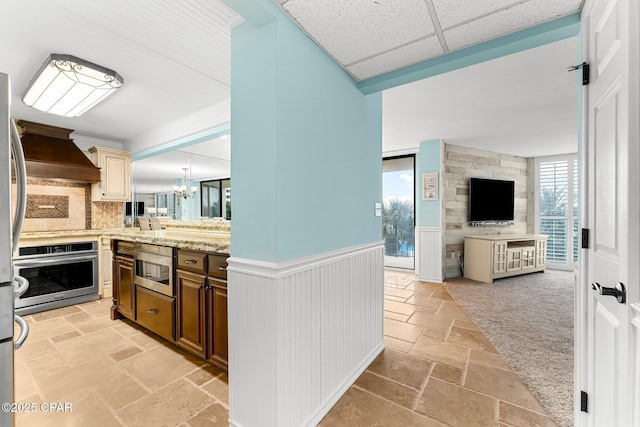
430	186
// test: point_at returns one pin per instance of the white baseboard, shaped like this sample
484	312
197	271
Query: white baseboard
301	332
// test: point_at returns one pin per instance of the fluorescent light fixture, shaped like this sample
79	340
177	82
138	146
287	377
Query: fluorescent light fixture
69	86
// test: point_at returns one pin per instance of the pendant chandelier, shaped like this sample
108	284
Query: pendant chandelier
182	191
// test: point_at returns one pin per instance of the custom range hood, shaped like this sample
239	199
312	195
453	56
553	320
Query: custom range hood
51	154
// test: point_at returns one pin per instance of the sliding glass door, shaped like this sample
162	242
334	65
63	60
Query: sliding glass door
398	211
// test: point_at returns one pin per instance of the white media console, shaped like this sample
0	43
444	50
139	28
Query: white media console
492	257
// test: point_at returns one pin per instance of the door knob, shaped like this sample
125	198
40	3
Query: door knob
619	291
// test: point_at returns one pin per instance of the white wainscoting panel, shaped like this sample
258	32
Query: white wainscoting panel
430	254
301	332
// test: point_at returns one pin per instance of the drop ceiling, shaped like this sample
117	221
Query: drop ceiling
385	35
175	60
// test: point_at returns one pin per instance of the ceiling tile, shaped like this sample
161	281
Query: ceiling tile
398	58
507	21
355	30
451	13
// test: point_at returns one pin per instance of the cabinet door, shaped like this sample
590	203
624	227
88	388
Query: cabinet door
217	319
541	252
499	257
115	185
126	290
514	259
115	175
191	330
528	257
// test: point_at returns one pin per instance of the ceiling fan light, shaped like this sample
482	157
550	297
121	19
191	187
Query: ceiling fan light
69	86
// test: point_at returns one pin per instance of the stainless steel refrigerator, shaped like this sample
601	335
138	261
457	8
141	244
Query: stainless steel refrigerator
10	227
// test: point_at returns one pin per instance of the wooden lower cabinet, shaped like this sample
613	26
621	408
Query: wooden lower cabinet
126	295
202	316
155	312
196	319
191	331
217	321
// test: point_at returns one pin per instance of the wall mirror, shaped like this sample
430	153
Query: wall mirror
188	183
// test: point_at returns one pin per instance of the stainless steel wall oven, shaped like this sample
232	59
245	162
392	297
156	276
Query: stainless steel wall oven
59	275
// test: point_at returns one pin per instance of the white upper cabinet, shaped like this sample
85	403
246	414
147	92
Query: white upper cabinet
115	175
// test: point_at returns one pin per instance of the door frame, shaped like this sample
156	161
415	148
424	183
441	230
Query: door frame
413	158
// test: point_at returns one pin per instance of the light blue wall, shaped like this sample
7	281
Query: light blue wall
189	209
429	160
307	147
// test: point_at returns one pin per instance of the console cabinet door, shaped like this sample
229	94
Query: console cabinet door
541	252
191	331
125	286
217	319
514	259
499	257
528	258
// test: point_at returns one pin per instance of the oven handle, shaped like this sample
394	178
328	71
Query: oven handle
53	260
23	285
21	184
24	332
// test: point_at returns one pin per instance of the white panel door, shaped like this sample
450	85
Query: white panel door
611	154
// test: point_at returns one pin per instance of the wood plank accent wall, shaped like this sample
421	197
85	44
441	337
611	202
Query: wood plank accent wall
462	163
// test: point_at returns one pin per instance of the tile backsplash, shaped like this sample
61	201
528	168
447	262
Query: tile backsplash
66	205
56	205
106	215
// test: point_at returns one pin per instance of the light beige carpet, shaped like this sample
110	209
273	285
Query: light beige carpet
529	319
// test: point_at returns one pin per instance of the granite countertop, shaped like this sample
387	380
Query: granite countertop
200	240
59	233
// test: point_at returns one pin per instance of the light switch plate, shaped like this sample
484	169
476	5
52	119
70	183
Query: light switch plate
378	209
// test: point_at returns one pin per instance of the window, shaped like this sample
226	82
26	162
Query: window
216	198
558	208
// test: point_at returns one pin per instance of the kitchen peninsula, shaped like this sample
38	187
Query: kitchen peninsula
173	281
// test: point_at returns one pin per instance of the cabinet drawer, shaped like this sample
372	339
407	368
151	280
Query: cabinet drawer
218	266
192	261
125	248
155	312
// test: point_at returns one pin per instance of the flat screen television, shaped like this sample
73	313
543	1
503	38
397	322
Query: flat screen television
490	200
138	211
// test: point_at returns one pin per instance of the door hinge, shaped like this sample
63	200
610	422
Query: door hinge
585	238
584	401
585	72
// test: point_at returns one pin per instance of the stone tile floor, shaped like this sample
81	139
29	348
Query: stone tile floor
438	369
